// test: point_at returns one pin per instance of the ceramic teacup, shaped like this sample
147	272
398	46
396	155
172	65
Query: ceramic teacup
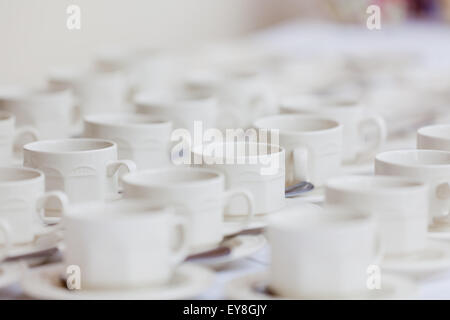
198	194
85	169
94	91
321	256
400	206
257	167
435	137
354	119
123	244
49	111
141	138
430	166
22	200
182	109
313	146
10	137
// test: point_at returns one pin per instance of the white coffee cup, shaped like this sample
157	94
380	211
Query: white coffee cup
434	137
400	206
49	111
143	139
85	169
430	166
313	146
122	244
182	109
198	194
10	137
354	119
257	167
22	200
94	91
321	256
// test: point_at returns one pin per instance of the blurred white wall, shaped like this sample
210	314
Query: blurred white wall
34	35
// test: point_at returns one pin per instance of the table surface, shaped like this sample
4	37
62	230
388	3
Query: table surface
325	37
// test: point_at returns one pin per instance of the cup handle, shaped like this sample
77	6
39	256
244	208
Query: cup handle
301	164
20	132
442	192
5	228
230	194
180	254
113	166
43	199
373	146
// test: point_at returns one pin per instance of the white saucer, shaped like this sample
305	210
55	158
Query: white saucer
363	167
10	273
254	287
45	283
42	242
433	259
241	246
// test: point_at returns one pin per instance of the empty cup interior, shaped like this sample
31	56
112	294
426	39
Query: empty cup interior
68	145
173	177
296	124
18	174
416	157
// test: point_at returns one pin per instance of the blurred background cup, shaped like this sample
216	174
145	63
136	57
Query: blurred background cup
85	169
434	137
22	200
429	166
10	137
141	138
354	119
48	111
94	91
244	94
124	244
182	109
198	194
313	146
257	167
400	206
321	256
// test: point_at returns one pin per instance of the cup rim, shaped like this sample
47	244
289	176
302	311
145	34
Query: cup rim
339	184
35	146
132	178
280	150
335	125
101	119
382	158
427	131
39	175
314	105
